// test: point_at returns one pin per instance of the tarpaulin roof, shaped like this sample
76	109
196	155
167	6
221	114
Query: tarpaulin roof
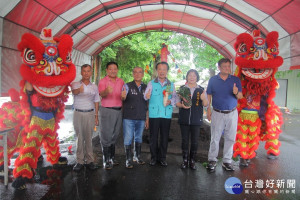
94	24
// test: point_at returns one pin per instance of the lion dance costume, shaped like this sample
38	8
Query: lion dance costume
257	62
47	67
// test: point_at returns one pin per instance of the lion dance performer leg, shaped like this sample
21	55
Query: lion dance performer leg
47	71
257	62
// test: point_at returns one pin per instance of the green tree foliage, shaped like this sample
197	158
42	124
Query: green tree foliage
203	56
134	50
139	49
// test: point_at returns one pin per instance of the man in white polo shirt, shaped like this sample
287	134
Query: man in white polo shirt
86	105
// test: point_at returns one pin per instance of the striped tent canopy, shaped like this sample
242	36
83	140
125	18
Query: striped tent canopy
94	24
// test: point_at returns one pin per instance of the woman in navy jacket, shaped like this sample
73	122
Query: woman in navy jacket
190	118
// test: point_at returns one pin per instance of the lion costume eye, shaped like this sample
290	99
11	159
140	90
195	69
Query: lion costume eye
275	50
242	48
29	56
68	58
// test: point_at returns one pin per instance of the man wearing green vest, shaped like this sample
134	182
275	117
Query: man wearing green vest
161	95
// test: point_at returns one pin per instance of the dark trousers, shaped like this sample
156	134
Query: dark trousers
159	126
186	132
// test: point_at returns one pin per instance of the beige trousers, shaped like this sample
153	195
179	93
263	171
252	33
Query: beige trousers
84	123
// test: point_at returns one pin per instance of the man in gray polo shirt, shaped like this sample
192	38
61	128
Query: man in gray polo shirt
86	105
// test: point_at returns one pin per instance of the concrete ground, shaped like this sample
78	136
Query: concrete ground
271	179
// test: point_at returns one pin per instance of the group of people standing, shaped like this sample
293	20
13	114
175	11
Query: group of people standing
136	106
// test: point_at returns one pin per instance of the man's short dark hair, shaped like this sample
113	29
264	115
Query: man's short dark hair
112	63
192	70
137	67
85	65
224	60
162	63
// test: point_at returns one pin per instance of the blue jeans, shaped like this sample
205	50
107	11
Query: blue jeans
133	128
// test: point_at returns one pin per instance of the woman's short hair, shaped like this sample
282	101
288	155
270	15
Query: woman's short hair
192	70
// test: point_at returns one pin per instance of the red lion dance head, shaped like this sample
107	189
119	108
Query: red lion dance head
47	63
257	60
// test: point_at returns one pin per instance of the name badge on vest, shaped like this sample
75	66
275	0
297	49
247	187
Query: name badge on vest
133	91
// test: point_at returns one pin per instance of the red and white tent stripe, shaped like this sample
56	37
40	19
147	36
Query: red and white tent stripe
94	24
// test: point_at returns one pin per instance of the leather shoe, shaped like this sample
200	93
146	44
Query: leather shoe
184	164
163	163
91	166
78	167
152	162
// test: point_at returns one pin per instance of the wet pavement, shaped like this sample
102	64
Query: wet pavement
171	182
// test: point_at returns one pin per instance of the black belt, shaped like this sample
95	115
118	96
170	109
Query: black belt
224	111
90	110
114	108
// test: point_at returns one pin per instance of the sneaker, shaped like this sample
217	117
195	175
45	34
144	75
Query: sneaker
138	161
211	165
114	162
62	161
272	156
107	165
243	162
19	183
40	159
227	166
